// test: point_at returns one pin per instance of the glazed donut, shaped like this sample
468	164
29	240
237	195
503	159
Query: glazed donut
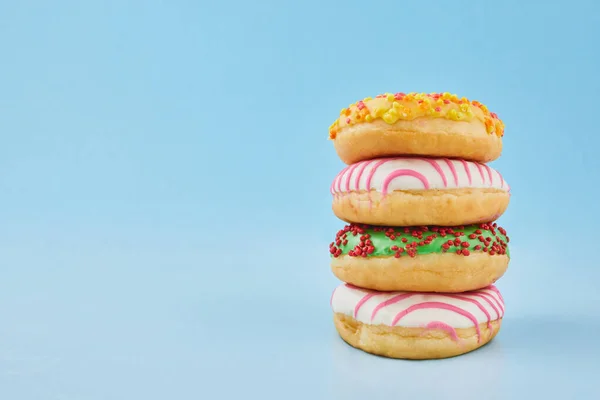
416	325
408	191
436	125
420	259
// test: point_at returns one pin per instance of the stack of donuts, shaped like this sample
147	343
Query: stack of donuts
421	251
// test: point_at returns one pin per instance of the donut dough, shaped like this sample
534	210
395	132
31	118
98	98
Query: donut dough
413	325
409	191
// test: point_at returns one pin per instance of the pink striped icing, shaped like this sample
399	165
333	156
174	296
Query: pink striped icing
450	165
478	304
491	303
334	184
489	171
438	305
386	303
361	169
340	177
349	175
386	175
500	304
361	302
378	164
480	169
403	172
467	170
495	290
412	309
444	327
439	170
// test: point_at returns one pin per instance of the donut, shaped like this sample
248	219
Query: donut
413	325
436	125
409	191
420	259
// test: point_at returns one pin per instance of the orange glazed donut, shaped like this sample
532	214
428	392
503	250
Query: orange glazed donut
414	325
436	125
408	191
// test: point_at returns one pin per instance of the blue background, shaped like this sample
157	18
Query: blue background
164	193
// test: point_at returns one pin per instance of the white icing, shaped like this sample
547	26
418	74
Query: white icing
345	299
356	176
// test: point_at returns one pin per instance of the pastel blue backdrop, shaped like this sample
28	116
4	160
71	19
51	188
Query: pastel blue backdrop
164	193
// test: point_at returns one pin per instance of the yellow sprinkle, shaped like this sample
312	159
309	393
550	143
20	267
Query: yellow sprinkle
415	105
379	112
389	118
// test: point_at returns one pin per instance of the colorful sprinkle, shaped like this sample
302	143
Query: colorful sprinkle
356	240
394	107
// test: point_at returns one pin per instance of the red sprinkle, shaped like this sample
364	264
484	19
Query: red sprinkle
494	243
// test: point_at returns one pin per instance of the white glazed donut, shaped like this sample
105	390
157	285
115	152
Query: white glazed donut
410	191
416	325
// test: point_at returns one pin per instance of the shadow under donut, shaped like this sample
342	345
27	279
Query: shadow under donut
550	355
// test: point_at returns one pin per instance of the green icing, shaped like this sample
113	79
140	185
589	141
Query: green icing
380	244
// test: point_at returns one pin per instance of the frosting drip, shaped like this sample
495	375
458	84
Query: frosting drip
420	310
385	175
